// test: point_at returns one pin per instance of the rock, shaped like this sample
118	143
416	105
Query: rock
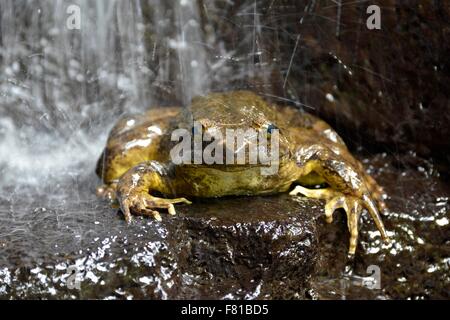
415	263
380	89
264	249
252	247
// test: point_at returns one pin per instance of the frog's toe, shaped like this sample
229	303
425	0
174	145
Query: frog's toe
332	205
353	208
148	205
377	193
371	206
107	192
323	193
335	200
125	207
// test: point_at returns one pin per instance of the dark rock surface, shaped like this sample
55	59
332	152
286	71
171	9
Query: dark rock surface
378	88
389	86
262	247
416	263
229	248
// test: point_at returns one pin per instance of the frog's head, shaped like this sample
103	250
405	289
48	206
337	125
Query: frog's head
241	125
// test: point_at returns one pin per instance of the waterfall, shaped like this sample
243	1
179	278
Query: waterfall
60	88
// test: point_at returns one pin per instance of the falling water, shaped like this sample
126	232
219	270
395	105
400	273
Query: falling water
62	89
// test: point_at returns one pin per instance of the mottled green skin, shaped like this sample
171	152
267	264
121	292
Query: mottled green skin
136	160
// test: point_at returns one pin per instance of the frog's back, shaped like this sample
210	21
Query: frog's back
135	139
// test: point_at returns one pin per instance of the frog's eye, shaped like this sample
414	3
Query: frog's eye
271	127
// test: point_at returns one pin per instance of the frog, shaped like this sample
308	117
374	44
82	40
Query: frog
140	176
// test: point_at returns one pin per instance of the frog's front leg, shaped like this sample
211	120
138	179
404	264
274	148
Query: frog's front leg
348	188
135	186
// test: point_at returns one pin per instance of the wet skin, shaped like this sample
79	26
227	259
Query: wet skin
137	170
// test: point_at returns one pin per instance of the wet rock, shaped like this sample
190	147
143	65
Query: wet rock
409	76
265	248
380	89
416	263
252	247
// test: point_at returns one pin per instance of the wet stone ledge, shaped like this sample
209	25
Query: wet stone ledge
249	247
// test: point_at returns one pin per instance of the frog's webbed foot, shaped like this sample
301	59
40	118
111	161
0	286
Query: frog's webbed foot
350	188
352	206
133	192
147	205
107	192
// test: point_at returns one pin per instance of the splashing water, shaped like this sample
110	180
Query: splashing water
61	89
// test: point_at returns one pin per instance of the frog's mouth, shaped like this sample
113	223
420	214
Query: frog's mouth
239	167
227	167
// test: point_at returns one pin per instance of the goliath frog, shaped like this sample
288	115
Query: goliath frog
137	169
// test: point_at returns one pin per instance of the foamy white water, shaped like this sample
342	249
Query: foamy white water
61	90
